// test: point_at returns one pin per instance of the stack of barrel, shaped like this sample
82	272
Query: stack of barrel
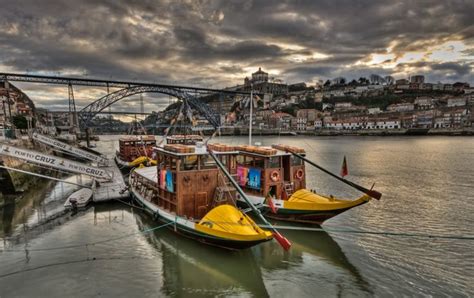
179	148
220	147
288	148
256	149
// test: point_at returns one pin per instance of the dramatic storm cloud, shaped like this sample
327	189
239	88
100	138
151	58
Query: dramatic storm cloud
218	43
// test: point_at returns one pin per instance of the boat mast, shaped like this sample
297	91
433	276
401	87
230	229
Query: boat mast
251	111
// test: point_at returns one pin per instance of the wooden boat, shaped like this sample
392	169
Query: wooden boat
275	180
187	190
135	151
79	199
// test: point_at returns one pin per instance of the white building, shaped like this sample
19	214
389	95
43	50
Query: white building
373	111
448	87
469	90
301	123
401	107
318	124
438	86
342	105
383	124
456	102
424	103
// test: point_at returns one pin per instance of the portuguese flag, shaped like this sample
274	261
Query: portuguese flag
344	170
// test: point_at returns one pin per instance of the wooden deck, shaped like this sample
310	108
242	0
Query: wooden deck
116	189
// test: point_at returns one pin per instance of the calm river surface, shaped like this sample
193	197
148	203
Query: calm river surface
427	185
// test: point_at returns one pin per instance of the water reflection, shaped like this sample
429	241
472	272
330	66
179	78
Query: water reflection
312	249
192	268
7	215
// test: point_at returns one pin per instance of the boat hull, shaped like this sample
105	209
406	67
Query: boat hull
81	199
123	165
301	212
188	231
303	216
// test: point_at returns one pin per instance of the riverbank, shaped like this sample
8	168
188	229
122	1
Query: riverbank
16	184
240	131
236	131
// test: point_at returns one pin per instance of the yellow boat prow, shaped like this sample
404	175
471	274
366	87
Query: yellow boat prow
142	160
226	221
304	199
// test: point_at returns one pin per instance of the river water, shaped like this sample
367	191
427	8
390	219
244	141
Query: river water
427	185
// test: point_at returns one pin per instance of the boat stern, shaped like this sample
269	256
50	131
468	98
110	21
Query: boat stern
232	228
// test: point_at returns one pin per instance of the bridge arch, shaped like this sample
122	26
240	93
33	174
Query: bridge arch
92	109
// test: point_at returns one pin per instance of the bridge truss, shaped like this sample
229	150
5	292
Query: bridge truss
192	95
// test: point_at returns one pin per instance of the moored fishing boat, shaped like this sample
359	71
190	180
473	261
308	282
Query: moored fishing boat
187	190
275	180
135	151
79	199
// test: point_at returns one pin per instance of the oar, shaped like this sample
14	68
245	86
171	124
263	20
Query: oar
373	193
285	243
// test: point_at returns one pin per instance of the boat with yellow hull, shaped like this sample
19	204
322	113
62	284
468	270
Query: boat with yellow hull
307	207
188	199
275	180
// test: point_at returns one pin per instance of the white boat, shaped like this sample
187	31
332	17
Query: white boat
79	199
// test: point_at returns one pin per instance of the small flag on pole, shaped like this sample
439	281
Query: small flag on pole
344	170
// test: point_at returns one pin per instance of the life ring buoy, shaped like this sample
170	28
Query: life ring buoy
275	176
299	174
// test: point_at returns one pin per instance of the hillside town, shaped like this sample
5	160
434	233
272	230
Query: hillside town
368	104
377	103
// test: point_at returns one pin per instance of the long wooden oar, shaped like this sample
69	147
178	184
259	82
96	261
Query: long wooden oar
373	193
285	243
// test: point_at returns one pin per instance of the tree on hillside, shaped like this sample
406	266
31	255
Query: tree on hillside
376	79
363	81
327	83
20	122
389	80
339	81
353	83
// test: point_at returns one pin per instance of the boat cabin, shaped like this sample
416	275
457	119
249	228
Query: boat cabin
132	147
187	180
263	171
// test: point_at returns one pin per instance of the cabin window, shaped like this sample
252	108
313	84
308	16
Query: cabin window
160	159
189	163
240	159
296	161
248	161
259	163
207	162
274	162
223	159
170	162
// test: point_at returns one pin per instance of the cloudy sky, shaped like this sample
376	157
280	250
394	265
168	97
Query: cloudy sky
218	43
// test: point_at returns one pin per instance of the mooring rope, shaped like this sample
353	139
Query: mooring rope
382	233
334	229
89	243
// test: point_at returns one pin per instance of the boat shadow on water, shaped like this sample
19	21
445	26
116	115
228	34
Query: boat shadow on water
197	269
317	244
